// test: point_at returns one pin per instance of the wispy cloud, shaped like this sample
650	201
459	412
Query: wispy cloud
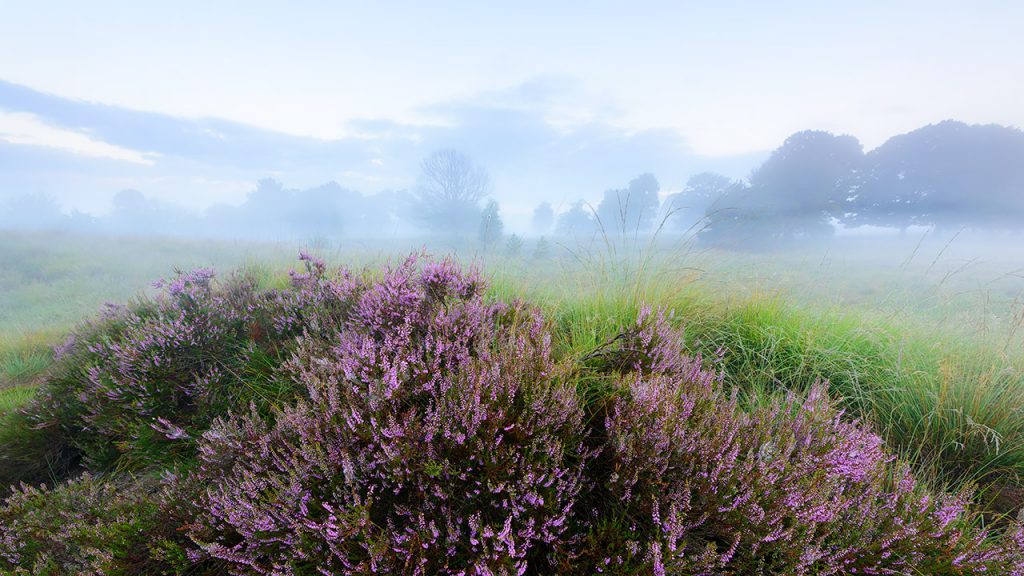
27	129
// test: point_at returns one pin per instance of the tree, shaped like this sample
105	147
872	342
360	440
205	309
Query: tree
793	196
686	209
543	218
449	192
632	210
491	227
542	251
575	221
728	223
266	209
514	246
948	175
31	211
323	211
134	213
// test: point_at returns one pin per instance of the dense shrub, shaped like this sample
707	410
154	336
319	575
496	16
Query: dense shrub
438	438
135	386
89	526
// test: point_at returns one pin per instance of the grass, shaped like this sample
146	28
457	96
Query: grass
14	397
50	281
928	348
24	356
944	393
931	365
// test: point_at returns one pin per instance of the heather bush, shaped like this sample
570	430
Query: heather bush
90	525
690	483
134	387
403	422
438	437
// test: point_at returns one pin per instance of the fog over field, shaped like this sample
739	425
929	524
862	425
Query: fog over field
231	123
480	289
842	156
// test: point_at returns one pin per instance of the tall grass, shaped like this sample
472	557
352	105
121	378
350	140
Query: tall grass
925	347
949	402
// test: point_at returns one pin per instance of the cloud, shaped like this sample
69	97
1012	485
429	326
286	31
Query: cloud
27	129
546	139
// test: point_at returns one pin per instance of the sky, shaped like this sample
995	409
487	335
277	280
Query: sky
715	84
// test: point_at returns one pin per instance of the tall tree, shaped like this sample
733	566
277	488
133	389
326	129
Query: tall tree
449	191
543	218
31	211
795	194
542	251
948	175
514	246
491	227
686	209
631	210
575	221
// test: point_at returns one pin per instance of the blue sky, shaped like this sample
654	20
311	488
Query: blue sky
711	84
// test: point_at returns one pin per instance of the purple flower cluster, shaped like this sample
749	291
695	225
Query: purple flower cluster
135	382
437	438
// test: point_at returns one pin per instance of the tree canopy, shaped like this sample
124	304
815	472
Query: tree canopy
449	191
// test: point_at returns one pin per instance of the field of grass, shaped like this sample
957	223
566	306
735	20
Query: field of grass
932	354
926	347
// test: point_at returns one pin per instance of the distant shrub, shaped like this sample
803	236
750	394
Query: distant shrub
438	438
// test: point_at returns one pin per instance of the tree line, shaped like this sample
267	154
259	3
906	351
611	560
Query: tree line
948	176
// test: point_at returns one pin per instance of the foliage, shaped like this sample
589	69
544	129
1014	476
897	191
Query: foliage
948	174
702	194
134	386
91	525
691	483
513	246
542	250
576	221
543	218
793	195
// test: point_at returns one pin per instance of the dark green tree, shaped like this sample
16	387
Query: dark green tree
685	210
949	175
514	246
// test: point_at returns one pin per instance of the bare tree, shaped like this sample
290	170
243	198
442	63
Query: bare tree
449	192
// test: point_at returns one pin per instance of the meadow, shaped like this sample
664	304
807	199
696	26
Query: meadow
919	344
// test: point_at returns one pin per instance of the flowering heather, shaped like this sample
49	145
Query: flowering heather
437	439
690	483
403	423
136	383
88	526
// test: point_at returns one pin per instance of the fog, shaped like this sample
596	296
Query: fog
608	125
